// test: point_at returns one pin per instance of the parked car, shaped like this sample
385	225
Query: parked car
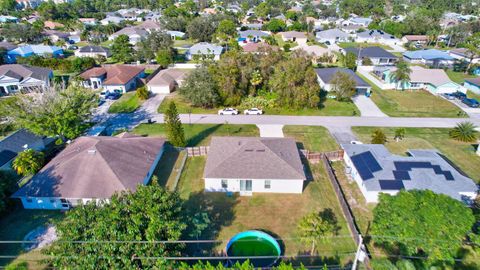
459	95
228	111
449	96
103	94
253	111
471	102
112	95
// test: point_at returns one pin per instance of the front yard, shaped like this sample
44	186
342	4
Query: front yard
458	77
313	138
128	103
345	45
460	153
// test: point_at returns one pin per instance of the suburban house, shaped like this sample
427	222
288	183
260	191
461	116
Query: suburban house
376	36
176	35
8	19
376	170
254	164
24	4
252	35
431	57
116	77
17	142
88	21
112	20
93	51
352	28
319	54
473	85
259	47
294	36
332	36
325	75
115	164
52	25
29	50
464	55
14	78
435	81
204	49
55	35
165	81
150	26
377	55
361	21
417	39
135	34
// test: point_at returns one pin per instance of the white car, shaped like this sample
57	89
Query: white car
228	111
253	111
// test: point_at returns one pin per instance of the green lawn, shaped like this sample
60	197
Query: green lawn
169	167
471	94
355	44
313	138
458	77
128	103
330	107
199	134
183	42
460	153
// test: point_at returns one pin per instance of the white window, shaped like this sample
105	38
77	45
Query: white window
415	84
268	184
224	183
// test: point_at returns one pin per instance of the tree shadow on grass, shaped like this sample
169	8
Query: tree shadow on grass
199	137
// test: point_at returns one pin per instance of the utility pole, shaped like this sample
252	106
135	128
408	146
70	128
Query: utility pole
360	254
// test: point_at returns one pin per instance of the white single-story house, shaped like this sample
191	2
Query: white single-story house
376	170
93	51
15	77
116	77
204	49
325	75
378	55
135	34
431	57
167	80
473	85
332	36
252	164
92	169
294	36
376	36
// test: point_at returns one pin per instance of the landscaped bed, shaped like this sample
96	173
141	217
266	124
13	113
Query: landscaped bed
128	103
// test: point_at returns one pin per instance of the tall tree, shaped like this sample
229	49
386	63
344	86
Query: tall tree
343	85
155	41
174	128
122	50
201	29
149	214
401	75
28	162
472	44
350	60
317	226
422	223
7	6
200	89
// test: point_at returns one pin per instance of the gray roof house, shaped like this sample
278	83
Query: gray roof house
377	55
374	36
254	164
115	164
332	36
253	35
15	77
204	49
93	51
135	34
325	75
376	171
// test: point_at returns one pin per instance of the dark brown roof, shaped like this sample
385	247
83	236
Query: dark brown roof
253	158
95	167
116	74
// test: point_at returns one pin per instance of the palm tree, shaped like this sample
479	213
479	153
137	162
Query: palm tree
402	74
464	132
378	137
256	80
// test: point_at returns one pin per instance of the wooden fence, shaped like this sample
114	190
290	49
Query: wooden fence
316	157
197	151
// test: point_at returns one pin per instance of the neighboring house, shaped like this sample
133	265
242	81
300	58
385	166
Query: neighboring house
14	78
464	54
435	81
116	77
52	25
166	81
8	19
252	35
431	57
204	49
352	28
253	164
319	54
377	55
150	26
360	21
473	85
376	170
135	34
294	36
24	4
176	35
332	36
112	20
93	51
17	142
88	21
56	36
418	39
376	36
8	46
92	169
29	50
257	48
325	75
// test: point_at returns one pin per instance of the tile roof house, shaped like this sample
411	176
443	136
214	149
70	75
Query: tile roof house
165	81
17	142
377	55
29	50
115	164
204	49
325	75
114	77
376	36
332	36
253	164
431	57
294	36
93	51
376	170
14	78
258	47
421	39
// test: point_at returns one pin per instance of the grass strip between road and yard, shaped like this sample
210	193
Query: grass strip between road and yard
128	103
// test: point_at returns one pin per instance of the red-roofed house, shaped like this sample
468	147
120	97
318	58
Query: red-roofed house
115	77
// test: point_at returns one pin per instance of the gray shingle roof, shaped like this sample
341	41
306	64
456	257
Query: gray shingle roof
14	144
205	48
332	34
326	74
253	33
423	169
371	52
94	49
23	72
254	158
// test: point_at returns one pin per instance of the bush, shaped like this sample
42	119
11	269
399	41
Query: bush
464	132
142	93
28	162
258	102
378	137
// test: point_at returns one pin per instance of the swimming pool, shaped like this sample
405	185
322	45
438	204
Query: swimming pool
254	243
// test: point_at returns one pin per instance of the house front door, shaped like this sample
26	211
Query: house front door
245	185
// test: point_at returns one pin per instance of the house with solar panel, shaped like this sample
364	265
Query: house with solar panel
376	171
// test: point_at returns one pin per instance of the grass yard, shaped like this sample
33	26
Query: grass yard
128	103
183	43
15	225
471	94
169	166
458	77
460	153
313	138
330	107
199	134
345	45
278	214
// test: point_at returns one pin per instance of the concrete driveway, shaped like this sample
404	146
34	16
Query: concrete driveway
271	131
367	107
472	112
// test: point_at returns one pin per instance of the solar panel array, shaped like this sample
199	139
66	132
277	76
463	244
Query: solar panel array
405	166
366	165
391	184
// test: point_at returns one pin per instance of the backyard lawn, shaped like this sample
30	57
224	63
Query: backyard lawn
355	44
313	138
330	107
458	77
460	153
128	103
199	134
